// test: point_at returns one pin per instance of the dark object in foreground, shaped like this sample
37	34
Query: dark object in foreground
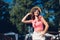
3	37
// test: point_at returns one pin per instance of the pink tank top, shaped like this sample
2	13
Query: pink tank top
37	25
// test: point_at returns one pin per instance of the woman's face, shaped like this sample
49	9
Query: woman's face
36	13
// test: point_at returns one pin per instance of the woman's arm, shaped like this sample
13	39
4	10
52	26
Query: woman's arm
46	24
24	19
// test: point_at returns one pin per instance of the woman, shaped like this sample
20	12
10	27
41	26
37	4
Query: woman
37	22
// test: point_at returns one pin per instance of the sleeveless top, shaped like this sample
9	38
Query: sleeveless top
37	25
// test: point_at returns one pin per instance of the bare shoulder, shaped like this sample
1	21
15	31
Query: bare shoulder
40	16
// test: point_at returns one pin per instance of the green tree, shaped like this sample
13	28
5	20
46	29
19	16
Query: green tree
18	11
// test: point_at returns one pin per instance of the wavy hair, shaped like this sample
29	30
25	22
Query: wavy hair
33	10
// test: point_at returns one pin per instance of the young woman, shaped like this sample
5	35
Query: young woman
37	22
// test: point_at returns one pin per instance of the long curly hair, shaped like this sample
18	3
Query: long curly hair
33	10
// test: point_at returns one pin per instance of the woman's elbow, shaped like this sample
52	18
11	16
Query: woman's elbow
47	25
22	20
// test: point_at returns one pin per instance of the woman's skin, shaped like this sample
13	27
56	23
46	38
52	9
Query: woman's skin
36	18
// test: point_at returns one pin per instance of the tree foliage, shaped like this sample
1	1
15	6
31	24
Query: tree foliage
18	11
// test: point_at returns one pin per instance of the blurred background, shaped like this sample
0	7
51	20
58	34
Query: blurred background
12	11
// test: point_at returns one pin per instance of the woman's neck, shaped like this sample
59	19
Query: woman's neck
36	17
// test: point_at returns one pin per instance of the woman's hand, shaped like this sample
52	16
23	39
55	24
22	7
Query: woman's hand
29	13
43	33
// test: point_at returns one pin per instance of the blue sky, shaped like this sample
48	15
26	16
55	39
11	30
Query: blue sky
8	1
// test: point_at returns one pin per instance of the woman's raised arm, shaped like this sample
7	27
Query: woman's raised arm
24	19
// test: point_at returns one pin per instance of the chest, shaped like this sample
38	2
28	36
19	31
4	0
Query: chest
37	23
